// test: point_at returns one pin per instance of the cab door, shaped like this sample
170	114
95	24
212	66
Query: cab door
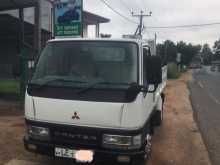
148	101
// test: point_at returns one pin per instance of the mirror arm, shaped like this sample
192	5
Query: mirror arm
144	90
154	90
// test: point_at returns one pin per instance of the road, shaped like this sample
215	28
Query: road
205	97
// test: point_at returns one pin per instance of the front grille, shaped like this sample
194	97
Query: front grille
81	137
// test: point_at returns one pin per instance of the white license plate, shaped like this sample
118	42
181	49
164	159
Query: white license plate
85	156
65	153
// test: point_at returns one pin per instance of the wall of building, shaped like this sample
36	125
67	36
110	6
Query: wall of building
29	14
8	56
46	17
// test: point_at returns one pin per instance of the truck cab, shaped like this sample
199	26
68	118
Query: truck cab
102	97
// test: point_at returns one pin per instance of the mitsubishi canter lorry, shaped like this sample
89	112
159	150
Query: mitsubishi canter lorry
97	97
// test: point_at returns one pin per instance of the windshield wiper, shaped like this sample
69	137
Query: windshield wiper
91	86
56	79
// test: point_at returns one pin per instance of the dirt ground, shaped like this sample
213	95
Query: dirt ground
177	142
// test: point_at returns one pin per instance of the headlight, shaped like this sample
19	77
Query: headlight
122	142
38	133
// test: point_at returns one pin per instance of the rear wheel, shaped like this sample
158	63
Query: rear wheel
159	114
158	118
162	111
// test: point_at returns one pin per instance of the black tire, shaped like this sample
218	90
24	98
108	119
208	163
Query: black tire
158	117
141	161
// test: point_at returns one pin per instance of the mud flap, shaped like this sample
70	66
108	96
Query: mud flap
158	114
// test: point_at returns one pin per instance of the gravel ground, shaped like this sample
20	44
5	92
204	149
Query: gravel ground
177	142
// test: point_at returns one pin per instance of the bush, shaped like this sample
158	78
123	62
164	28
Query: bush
9	86
173	72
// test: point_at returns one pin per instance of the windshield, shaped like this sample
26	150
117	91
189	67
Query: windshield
84	63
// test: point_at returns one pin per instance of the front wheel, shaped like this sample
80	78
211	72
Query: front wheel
141	161
148	151
158	116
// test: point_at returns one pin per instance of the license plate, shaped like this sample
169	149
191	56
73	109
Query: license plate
83	156
65	153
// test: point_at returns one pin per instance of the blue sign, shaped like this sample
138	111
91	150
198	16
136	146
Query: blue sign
68	17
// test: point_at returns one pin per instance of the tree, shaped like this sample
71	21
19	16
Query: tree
168	51
216	47
188	51
217	44
206	54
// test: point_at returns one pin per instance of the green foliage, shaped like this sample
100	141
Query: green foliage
216	55
9	86
173	72
206	54
217	44
168	51
188	51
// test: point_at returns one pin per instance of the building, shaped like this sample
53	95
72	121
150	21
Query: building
47	17
18	28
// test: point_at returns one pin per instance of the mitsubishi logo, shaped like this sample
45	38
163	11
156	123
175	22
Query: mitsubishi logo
75	116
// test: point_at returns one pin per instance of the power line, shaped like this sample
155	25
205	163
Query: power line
130	10
147	32
183	26
114	10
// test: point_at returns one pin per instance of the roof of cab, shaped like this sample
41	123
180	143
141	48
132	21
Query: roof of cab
138	41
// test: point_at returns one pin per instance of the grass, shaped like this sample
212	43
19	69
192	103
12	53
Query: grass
9	86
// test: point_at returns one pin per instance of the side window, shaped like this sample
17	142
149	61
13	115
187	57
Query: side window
146	53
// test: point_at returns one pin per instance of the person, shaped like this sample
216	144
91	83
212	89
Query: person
71	14
83	67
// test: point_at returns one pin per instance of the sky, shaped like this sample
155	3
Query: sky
164	13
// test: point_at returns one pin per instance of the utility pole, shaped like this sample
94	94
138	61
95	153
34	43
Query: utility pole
37	30
141	17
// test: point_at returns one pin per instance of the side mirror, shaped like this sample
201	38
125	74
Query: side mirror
154	70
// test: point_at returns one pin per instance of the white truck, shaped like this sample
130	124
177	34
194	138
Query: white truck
97	97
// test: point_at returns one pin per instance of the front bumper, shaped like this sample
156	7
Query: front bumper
77	138
47	148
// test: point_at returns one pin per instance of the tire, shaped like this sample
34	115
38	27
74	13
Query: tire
162	110
158	115
148	151
141	161
158	120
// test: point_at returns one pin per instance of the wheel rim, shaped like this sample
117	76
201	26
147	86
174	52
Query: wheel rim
148	147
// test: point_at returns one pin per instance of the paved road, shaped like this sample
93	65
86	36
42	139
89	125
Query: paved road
205	95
